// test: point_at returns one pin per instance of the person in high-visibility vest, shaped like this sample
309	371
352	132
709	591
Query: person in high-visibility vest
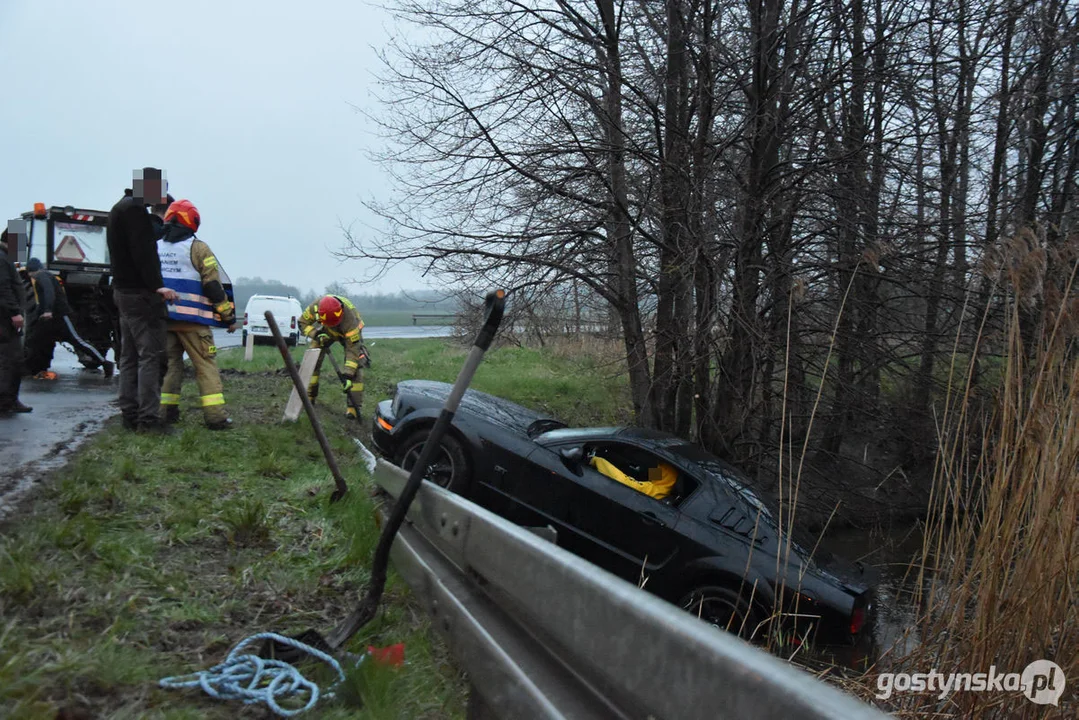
333	319
189	267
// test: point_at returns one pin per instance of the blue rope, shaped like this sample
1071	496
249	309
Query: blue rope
257	680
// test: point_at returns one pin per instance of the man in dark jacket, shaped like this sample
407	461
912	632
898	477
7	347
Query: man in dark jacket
12	301
48	322
140	296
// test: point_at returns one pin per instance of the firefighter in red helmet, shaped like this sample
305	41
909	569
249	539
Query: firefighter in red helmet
203	302
328	320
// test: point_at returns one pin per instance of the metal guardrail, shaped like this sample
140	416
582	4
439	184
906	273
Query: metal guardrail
542	633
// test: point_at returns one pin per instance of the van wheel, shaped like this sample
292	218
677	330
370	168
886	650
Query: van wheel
449	467
244	340
722	608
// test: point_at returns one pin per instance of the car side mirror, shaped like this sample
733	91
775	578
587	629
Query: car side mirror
572	456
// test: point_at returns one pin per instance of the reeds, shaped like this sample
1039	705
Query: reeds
995	584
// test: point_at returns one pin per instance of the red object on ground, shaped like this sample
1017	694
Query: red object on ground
389	655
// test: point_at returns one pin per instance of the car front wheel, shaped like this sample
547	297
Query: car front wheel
448	467
723	608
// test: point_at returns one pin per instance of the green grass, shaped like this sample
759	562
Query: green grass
149	557
579	387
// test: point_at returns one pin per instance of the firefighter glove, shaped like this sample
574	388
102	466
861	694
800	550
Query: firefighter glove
348	384
322	338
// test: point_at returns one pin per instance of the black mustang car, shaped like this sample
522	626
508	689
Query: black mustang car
704	541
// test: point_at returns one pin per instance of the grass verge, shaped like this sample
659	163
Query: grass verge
582	381
150	557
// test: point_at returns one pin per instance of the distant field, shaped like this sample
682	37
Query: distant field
395	318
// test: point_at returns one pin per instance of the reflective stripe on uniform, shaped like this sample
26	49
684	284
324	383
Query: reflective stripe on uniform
351	364
210	262
192	297
208	400
170	399
193	312
353	335
357	387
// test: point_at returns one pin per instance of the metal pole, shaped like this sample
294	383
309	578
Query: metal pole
494	305
342	488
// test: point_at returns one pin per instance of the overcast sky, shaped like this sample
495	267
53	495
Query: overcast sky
246	105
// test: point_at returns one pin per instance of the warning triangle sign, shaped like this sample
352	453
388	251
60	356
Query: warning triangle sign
69	250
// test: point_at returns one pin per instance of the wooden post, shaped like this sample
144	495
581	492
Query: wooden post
249	349
307	369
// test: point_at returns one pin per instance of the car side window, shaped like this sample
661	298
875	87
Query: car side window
643	471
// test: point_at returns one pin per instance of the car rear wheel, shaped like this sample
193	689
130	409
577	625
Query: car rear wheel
449	466
723	608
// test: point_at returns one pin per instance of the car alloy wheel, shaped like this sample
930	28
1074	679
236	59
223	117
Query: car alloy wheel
448	468
722	608
440	472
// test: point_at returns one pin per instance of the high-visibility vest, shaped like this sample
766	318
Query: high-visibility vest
181	275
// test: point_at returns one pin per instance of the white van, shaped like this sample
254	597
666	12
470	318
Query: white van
286	311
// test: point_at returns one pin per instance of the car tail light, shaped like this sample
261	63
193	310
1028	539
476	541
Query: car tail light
293	325
245	319
857	620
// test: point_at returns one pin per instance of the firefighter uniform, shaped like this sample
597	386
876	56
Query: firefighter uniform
189	267
346	331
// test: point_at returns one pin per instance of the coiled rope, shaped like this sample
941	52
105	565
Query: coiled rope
254	679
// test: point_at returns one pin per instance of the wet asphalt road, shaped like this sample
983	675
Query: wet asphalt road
66	411
69	409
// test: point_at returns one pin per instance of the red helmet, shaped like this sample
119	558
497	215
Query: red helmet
185	213
330	311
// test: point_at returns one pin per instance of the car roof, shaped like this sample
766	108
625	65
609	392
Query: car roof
276	298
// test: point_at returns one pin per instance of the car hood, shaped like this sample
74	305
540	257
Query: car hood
479	404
